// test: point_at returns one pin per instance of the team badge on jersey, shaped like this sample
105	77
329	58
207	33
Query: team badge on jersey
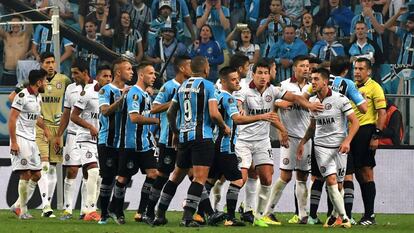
23	162
102	91
162	89
59	85
268	98
210	50
21	94
285	161
130	165
135	97
328	106
231	100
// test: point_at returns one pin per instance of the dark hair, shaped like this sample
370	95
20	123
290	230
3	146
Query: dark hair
328	26
225	71
211	30
119	35
117	62
102	68
261	63
361	22
142	65
90	20
46	55
368	63
339	64
198	64
316	60
300	58
239	38
290	26
16	17
36	75
179	60
80	64
410	17
322	71
238	60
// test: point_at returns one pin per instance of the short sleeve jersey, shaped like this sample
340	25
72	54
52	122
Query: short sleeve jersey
72	94
28	104
348	88
52	99
374	94
165	95
111	126
331	123
255	103
137	136
227	106
193	97
296	119
88	102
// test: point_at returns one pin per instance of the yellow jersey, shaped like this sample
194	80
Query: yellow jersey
374	95
52	99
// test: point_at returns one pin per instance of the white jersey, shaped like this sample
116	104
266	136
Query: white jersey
331	127
28	104
255	103
296	119
89	104
72	94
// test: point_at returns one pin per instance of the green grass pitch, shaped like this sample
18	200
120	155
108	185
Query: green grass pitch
11	224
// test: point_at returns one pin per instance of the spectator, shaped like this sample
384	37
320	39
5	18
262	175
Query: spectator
333	13
241	40
97	15
295	9
328	48
309	32
125	41
179	16
16	47
209	48
141	16
363	47
237	12
372	19
271	28
406	35
86	54
393	132
285	50
164	48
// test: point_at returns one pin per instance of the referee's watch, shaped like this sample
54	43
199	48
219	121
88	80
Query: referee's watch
377	134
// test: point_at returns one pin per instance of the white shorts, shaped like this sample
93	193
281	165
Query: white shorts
331	162
254	152
288	159
87	151
70	157
28	157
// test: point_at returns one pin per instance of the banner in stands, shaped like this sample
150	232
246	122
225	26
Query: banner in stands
393	176
397	78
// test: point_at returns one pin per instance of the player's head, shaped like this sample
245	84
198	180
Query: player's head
361	30
241	63
362	69
301	67
47	60
182	65
104	75
273	71
146	74
261	73
200	66
320	79
289	33
122	70
340	66
229	78
314	63
329	33
37	79
410	22
79	71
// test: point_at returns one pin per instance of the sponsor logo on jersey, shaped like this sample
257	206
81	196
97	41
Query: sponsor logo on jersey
94	115
258	111
51	99
31	116
326	121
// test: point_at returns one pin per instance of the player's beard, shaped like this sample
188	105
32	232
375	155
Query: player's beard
41	89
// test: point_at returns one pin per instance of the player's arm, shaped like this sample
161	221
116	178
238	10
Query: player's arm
302	101
143	120
41	123
363	108
159	108
353	129
243	120
283	134
64	121
308	135
382	116
75	118
108	110
216	116
283	104
172	117
14	114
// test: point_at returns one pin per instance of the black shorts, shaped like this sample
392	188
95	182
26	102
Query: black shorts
195	153
350	168
166	159
363	156
108	161
131	161
314	165
227	165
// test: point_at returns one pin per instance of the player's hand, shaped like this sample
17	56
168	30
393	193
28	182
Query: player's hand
299	152
227	130
56	143
345	147
14	149
196	44
373	144
47	134
367	11
403	10
94	133
175	141
270	116
208	5
284	139
316	107
106	11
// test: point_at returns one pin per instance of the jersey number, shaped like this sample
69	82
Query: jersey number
187	110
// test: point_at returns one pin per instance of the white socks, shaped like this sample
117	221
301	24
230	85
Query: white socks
337	200
98	188
44	184
275	195
216	191
68	194
250	188
83	196
23	195
302	196
31	186
91	188
51	182
263	197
